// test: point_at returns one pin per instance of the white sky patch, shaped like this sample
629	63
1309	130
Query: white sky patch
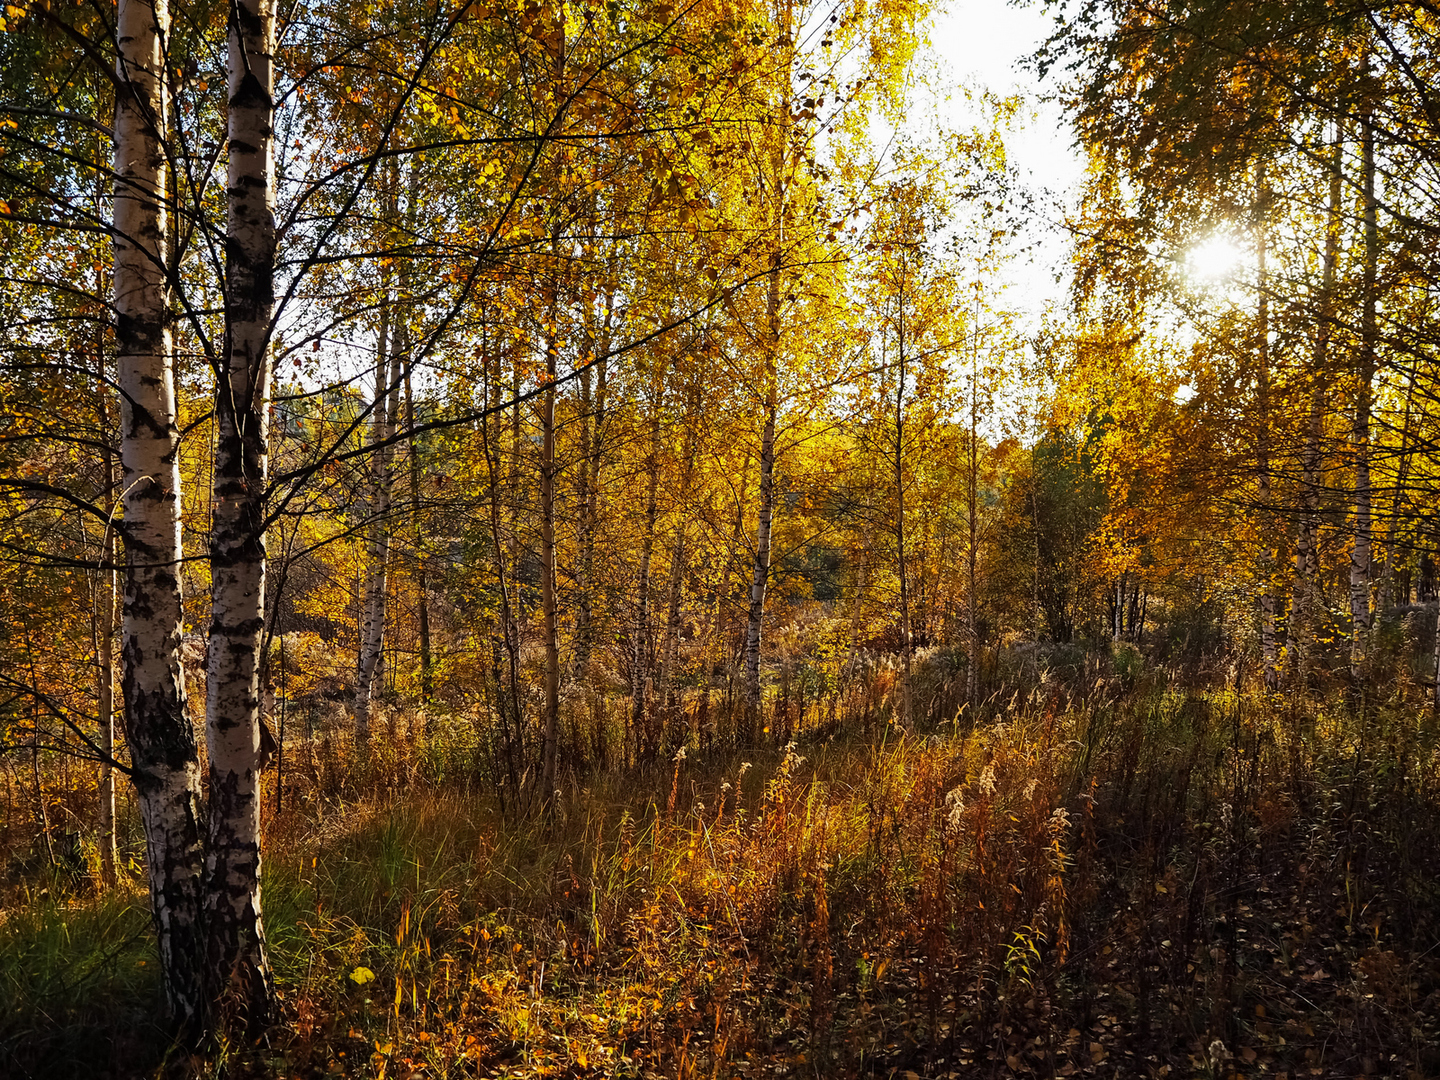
978	46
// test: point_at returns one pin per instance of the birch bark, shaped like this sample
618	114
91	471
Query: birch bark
643	637
508	698
665	695
422	587
382	486
237	968
761	569
1304	601
593	444
770	404
901	566
1360	552
550	747
163	748
104	630
1269	641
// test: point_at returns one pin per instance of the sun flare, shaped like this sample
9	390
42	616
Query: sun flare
1214	259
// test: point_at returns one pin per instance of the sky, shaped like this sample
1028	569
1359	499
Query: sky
979	44
983	41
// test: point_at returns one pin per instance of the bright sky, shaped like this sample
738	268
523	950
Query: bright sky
980	43
983	41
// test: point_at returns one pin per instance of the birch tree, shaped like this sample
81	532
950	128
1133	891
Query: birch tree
163	749
237	968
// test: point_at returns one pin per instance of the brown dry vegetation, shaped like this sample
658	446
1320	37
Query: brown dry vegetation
1155	881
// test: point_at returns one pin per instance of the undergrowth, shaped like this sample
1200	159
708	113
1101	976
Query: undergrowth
1147	882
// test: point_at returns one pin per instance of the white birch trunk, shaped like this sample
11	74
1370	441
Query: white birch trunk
642	639
507	697
550	747
906	643
104	627
1304	602
592	420
761	569
972	549
422	587
163	749
1360	552
382	484
677	566
1269	555
238	971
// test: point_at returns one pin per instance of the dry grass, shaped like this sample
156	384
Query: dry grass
1144	883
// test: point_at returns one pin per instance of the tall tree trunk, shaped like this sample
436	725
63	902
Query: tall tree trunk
727	603
761	570
593	431
898	475
382	482
1397	500
1360	552
664	692
511	717
1269	642
422	586
771	346
163	751
104	628
642	635
972	485
550	747
237	969
1304	596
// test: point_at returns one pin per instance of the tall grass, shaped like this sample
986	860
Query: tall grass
1126	879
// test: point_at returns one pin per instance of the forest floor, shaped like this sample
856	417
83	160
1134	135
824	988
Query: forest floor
1140	882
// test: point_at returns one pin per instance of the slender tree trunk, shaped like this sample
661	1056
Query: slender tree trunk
1269	641
642	635
104	601
664	693
510	714
237	969
1397	500
761	575
972	483
1435	700
1305	601
770	405
377	553
898	475
163	750
422	586
1360	552
727	602
589	502
550	749
105	678
1035	552
550	755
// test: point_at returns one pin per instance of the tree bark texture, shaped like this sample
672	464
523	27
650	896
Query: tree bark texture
761	569
382	485
1269	640
237	968
1304	596
549	604
1360	552
422	587
642	636
163	749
